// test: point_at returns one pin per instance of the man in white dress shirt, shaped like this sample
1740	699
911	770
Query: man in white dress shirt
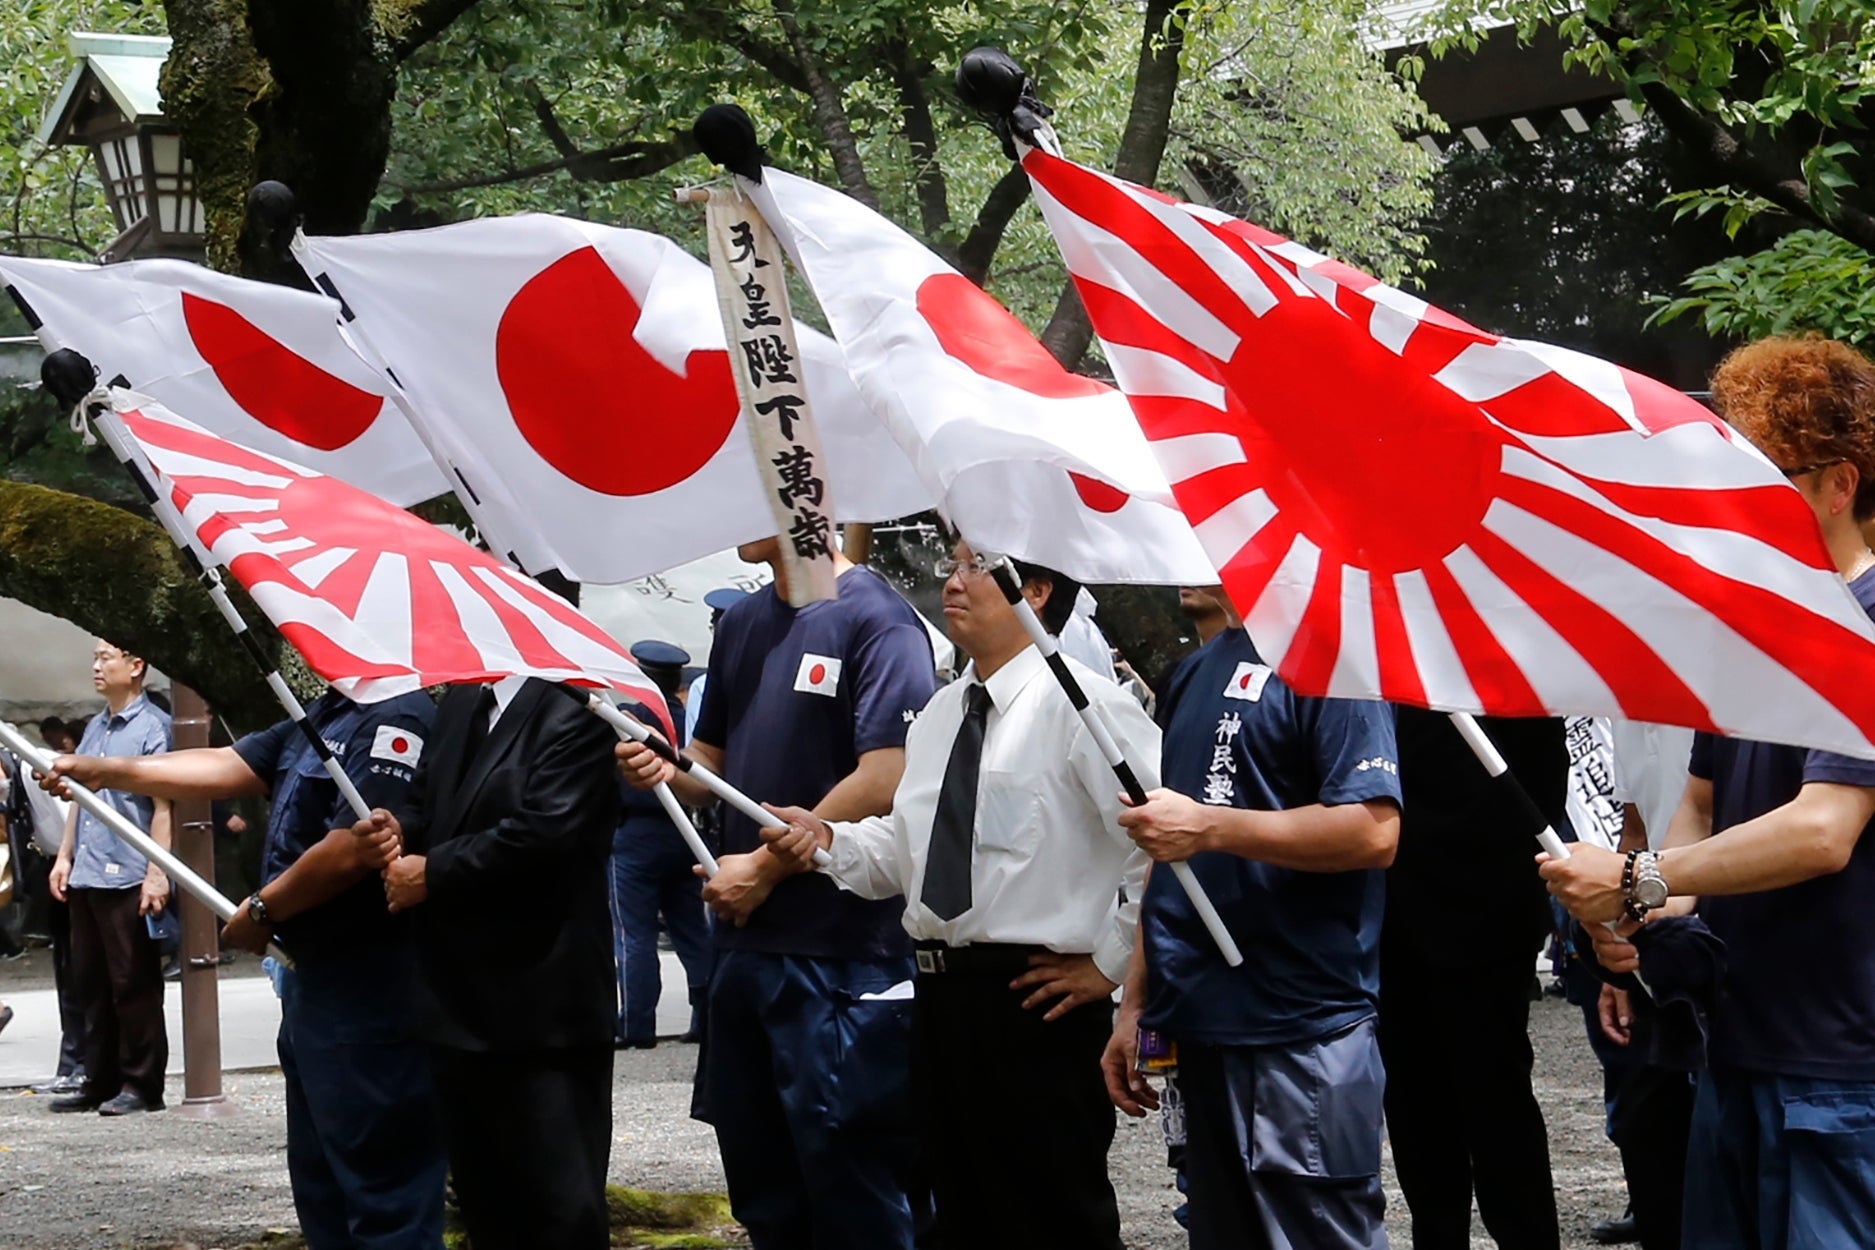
1021	893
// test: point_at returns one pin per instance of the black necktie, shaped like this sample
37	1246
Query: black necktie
947	875
485	705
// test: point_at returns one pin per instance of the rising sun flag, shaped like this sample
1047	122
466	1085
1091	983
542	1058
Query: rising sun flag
1405	507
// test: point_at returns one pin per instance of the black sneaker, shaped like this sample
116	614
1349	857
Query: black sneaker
1615	1232
6	1018
82	1100
129	1103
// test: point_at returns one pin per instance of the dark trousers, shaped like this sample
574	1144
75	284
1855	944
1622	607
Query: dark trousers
529	1134
1461	1114
71	1004
362	1144
1014	1116
1649	1110
807	1085
119	979
651	873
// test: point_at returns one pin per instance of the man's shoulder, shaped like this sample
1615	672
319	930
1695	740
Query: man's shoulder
872	602
416	707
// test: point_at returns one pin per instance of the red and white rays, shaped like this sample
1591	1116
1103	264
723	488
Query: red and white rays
378	601
1406	507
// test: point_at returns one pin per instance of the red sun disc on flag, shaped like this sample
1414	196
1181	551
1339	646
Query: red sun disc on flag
1096	494
591	400
817	674
274	384
973	328
400	745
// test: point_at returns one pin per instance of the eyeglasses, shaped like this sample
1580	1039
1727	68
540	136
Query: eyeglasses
1802	469
976	566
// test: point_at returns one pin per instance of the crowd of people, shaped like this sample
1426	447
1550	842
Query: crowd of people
921	998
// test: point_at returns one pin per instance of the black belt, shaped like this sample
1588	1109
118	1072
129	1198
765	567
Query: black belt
977	959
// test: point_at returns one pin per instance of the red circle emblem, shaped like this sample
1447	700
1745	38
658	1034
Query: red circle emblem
1096	494
817	674
590	400
400	745
1243	683
274	384
973	328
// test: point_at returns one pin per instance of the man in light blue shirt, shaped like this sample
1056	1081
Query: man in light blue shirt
111	887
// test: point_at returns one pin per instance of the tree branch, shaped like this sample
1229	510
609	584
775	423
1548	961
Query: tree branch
118	576
620	162
934	203
418	23
716	24
1010	193
1142	148
829	109
1738	163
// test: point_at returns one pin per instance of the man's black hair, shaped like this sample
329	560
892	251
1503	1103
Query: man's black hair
53	725
1064	591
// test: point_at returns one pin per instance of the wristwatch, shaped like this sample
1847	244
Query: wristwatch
1643	884
258	910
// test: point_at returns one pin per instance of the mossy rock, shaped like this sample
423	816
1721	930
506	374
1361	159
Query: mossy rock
643	1209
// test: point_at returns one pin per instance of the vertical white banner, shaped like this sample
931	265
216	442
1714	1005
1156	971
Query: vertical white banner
752	291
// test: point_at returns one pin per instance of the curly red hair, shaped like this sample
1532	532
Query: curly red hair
1803	401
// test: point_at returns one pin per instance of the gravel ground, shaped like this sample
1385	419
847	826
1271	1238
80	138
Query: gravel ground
68	1182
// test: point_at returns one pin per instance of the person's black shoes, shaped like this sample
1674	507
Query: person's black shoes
6	1018
82	1099
70	1083
635	1043
129	1103
1615	1232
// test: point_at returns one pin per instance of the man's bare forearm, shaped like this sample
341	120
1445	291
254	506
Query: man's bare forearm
1316	838
327	869
206	773
1811	836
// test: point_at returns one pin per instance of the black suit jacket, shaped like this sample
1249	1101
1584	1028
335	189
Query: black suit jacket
514	942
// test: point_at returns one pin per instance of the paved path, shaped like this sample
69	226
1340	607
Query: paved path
250	1017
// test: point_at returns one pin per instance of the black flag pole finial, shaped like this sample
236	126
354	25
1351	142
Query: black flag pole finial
994	83
727	136
68	376
273	211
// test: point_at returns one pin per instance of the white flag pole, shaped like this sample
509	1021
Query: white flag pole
1007	582
630	727
183	875
60	374
628	730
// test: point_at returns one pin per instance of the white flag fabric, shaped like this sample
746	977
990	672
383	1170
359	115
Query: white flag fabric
259	363
1027	459
576	380
378	601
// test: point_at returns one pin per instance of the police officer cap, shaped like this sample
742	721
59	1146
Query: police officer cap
654	654
724	598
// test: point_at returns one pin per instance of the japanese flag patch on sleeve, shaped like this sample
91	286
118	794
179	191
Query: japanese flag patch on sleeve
1247	682
818	674
399	746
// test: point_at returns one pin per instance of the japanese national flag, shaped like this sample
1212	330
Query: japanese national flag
264	365
397	746
818	674
1026	458
575	379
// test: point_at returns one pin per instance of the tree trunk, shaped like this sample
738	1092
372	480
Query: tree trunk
1142	148
121	577
209	85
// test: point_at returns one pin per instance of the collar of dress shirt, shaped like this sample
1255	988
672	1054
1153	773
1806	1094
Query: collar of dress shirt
505	690
1007	682
131	709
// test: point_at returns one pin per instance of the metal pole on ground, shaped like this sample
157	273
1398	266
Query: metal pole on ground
201	932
